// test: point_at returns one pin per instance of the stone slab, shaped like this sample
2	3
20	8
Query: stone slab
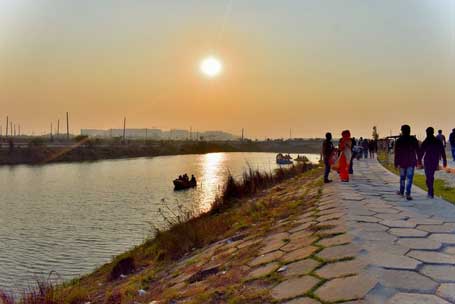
299	254
293	287
414	298
266	258
419	243
407	232
447	292
404	280
334	241
302	301
443	238
398	224
338	269
349	288
444	228
300	268
263	270
339	252
432	257
439	273
391	261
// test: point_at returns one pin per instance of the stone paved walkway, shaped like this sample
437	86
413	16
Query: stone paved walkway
362	243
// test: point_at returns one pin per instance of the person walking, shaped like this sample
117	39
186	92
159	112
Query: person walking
371	147
441	138
327	150
432	150
406	155
365	148
452	143
353	155
345	156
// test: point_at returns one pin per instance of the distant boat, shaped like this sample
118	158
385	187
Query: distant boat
284	159
302	159
180	184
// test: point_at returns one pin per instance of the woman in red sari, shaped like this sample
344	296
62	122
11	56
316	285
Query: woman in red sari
345	156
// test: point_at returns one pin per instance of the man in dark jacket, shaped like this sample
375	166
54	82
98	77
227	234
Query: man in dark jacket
442	138
452	143
431	151
327	149
406	153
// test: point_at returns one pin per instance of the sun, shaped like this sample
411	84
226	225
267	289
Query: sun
211	66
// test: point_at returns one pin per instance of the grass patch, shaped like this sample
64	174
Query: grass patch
441	188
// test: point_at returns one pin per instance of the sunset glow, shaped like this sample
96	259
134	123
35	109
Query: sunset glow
223	65
211	66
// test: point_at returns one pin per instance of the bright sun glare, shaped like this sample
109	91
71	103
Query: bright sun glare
211	66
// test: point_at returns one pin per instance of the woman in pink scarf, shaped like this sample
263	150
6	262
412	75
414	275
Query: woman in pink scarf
345	156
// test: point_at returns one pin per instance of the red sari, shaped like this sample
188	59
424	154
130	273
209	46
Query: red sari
345	156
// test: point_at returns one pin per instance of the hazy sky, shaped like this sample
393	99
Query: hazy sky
307	65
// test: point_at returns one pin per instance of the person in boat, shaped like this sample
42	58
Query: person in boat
193	179
180	177
186	178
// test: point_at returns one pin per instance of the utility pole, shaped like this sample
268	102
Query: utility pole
124	129
19	130
242	134
290	133
11	128
14	130
51	132
67	127
58	127
7	123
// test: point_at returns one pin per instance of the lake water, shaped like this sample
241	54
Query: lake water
71	218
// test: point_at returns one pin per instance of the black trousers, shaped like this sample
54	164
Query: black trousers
429	174
327	169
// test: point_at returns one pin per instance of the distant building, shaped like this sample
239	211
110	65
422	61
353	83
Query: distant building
178	134
218	135
157	134
129	133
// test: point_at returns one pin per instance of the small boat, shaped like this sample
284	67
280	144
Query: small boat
302	159
284	159
180	184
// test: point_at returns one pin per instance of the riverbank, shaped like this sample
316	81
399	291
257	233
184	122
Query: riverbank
246	211
35	152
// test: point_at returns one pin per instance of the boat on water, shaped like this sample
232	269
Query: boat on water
282	159
301	158
183	183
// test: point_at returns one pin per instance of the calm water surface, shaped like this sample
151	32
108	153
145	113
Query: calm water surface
71	218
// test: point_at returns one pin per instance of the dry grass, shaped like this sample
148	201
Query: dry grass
46	292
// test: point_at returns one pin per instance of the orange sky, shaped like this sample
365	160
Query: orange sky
311	66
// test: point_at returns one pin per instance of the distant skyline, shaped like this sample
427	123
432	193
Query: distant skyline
309	66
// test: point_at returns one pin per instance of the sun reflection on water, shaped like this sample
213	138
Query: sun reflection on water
213	167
